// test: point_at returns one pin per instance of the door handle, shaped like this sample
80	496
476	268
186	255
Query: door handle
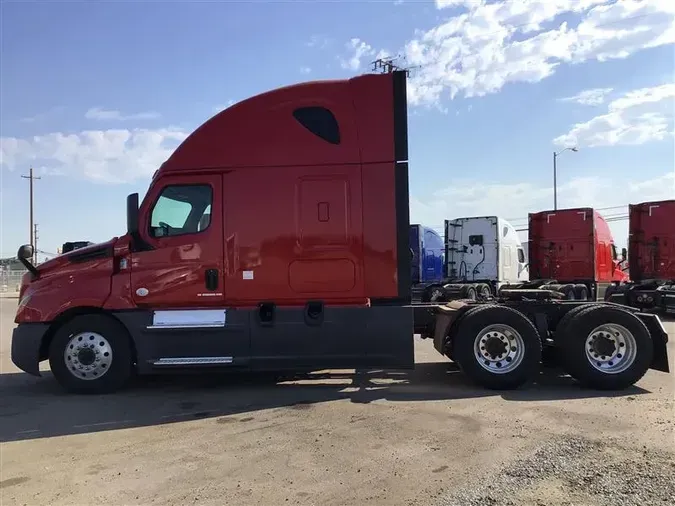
211	279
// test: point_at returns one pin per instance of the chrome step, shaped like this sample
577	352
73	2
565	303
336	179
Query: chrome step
192	361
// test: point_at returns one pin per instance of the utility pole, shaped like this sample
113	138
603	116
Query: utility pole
555	181
35	242
31	177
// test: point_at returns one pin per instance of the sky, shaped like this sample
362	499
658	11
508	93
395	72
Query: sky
95	96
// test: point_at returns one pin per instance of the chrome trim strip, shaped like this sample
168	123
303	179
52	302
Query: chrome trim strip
188	326
192	361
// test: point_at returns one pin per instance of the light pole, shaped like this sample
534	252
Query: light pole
555	174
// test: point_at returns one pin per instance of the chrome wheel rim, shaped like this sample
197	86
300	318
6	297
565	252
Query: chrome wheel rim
611	348
88	355
499	348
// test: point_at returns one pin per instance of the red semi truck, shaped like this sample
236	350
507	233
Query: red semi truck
651	258
573	251
275	238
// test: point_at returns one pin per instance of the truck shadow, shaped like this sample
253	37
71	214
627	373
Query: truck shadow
32	408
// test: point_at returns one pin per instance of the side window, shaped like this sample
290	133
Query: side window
320	121
521	256
505	231
181	209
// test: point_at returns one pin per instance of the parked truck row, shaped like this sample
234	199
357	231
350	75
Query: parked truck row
277	237
570	251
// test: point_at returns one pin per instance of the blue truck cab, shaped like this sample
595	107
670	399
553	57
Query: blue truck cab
428	253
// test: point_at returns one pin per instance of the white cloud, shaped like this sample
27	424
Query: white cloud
43	115
595	96
443	4
488	45
105	156
358	50
638	117
318	41
515	200
305	70
98	113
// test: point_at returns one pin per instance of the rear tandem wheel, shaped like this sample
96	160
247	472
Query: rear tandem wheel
604	347
497	347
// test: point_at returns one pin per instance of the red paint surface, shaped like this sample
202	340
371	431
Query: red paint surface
651	241
570	245
310	219
62	286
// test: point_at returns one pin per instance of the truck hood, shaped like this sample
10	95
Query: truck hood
80	255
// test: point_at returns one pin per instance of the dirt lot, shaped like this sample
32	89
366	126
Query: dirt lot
425	437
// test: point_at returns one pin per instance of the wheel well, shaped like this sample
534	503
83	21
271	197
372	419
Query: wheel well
67	316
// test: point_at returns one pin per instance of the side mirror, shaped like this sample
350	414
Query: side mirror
25	255
132	214
624	253
25	252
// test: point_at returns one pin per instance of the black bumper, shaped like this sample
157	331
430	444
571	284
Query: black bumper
26	342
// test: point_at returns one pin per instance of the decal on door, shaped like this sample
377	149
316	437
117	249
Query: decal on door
142	292
247	274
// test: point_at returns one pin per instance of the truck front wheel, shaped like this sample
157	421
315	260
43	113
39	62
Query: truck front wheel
605	347
91	354
497	347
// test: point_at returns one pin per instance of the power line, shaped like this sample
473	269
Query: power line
608	218
511	220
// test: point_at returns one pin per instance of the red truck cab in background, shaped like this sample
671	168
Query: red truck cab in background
575	248
651	258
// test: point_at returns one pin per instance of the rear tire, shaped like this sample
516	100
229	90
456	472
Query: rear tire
484	292
581	292
91	354
497	347
568	291
470	292
605	347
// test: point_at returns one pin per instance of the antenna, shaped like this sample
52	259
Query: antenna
386	65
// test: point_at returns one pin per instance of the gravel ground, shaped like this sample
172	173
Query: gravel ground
573	470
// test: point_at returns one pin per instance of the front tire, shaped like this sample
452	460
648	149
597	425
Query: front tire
91	354
497	347
605	347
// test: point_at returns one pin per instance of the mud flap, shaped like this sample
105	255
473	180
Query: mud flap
659	336
446	316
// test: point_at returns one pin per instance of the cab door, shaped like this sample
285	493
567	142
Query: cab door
179	261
